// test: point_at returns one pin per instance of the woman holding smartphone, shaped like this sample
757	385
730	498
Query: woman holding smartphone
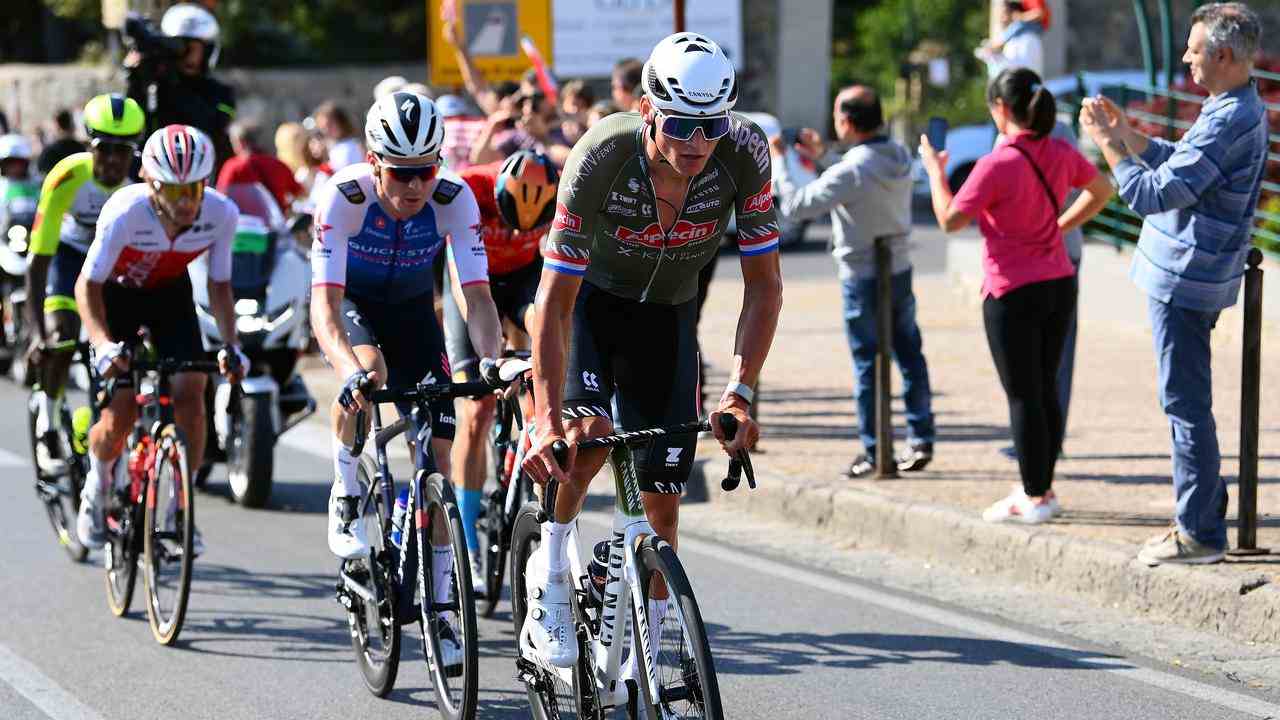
1029	290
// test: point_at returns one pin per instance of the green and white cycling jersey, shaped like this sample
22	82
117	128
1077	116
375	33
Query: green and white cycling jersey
18	199
70	203
606	223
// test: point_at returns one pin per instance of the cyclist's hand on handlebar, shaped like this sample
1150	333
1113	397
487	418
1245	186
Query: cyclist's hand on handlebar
356	391
748	431
109	359
541	463
233	363
35	352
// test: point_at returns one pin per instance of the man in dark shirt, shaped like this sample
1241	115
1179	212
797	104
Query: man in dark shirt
63	144
251	164
185	93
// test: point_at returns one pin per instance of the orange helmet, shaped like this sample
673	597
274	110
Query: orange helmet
526	190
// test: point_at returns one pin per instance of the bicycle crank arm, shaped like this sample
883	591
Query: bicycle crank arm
356	587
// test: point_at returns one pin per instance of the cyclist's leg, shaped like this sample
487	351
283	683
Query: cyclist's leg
175	333
474	418
658	385
345	536
61	316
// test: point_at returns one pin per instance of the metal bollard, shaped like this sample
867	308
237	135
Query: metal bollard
1250	400
886	464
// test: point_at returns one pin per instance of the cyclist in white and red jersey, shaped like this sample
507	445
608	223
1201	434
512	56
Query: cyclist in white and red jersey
135	275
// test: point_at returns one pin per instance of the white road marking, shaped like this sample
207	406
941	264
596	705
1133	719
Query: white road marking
41	690
973	626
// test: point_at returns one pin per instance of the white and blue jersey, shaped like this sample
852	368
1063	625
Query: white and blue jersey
359	246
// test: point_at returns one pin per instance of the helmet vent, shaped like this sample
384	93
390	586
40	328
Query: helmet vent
694	47
655	87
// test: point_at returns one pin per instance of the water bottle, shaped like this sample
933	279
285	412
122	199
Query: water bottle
397	518
598	572
80	421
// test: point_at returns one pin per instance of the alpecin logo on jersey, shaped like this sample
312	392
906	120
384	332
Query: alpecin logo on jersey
565	220
682	234
761	201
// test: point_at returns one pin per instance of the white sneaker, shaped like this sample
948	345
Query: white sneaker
478	584
91	523
346	532
450	649
1019	508
549	624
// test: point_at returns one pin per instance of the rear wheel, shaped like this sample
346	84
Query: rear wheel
169	525
680	664
552	695
496	539
251	451
448	615
120	557
375	634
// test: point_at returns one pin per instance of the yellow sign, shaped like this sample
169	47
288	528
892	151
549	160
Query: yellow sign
491	31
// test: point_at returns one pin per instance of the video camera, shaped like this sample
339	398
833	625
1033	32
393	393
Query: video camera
146	38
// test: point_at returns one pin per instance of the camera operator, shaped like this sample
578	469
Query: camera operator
168	73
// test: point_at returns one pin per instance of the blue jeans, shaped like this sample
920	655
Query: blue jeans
908	351
1186	393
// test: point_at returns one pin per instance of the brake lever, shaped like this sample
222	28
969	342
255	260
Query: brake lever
560	450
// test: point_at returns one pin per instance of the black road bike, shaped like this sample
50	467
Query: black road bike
60	478
394	585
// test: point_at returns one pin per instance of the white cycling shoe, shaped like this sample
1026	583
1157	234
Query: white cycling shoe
548	627
479	585
450	649
91	523
346	532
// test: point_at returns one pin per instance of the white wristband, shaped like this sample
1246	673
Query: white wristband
741	390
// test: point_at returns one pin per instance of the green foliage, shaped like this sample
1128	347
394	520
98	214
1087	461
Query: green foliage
79	10
319	32
873	38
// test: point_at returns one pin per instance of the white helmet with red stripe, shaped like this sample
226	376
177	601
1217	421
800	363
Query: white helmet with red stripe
178	154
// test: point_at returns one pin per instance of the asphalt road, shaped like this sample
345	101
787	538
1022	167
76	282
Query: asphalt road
265	639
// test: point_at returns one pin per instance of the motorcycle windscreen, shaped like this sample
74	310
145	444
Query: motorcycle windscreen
252	255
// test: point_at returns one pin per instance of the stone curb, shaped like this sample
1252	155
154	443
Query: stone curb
1103	573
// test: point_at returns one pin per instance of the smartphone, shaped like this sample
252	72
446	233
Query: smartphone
937	133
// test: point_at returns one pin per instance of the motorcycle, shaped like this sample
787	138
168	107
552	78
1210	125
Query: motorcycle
270	281
18	211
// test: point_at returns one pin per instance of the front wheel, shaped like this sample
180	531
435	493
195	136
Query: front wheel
375	634
558	694
677	674
450	640
169	540
61	498
495	532
251	451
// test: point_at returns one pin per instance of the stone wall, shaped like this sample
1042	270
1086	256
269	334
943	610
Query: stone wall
29	94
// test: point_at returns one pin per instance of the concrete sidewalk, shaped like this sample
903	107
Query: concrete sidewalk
1114	482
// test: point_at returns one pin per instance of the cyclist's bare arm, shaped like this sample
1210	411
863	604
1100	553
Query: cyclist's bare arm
326	323
472	78
552	323
761	304
93	310
37	273
483	325
222	303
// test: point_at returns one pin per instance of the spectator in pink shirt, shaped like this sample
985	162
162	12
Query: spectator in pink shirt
1029	287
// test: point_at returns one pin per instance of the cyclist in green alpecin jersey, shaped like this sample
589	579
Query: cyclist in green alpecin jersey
643	203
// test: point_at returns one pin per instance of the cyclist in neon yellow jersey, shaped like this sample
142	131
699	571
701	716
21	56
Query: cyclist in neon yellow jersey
73	194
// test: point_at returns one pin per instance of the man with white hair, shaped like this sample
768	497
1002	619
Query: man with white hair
1198	197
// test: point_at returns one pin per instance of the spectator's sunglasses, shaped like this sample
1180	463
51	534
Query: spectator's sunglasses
177	192
408	173
682	127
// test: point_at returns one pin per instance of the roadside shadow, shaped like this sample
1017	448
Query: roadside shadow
232	581
1153	456
748	653
299	496
1094	517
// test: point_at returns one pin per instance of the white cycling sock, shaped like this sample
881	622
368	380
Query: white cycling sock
101	473
554	535
657	613
344	469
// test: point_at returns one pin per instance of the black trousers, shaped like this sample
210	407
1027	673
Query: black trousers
1026	330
